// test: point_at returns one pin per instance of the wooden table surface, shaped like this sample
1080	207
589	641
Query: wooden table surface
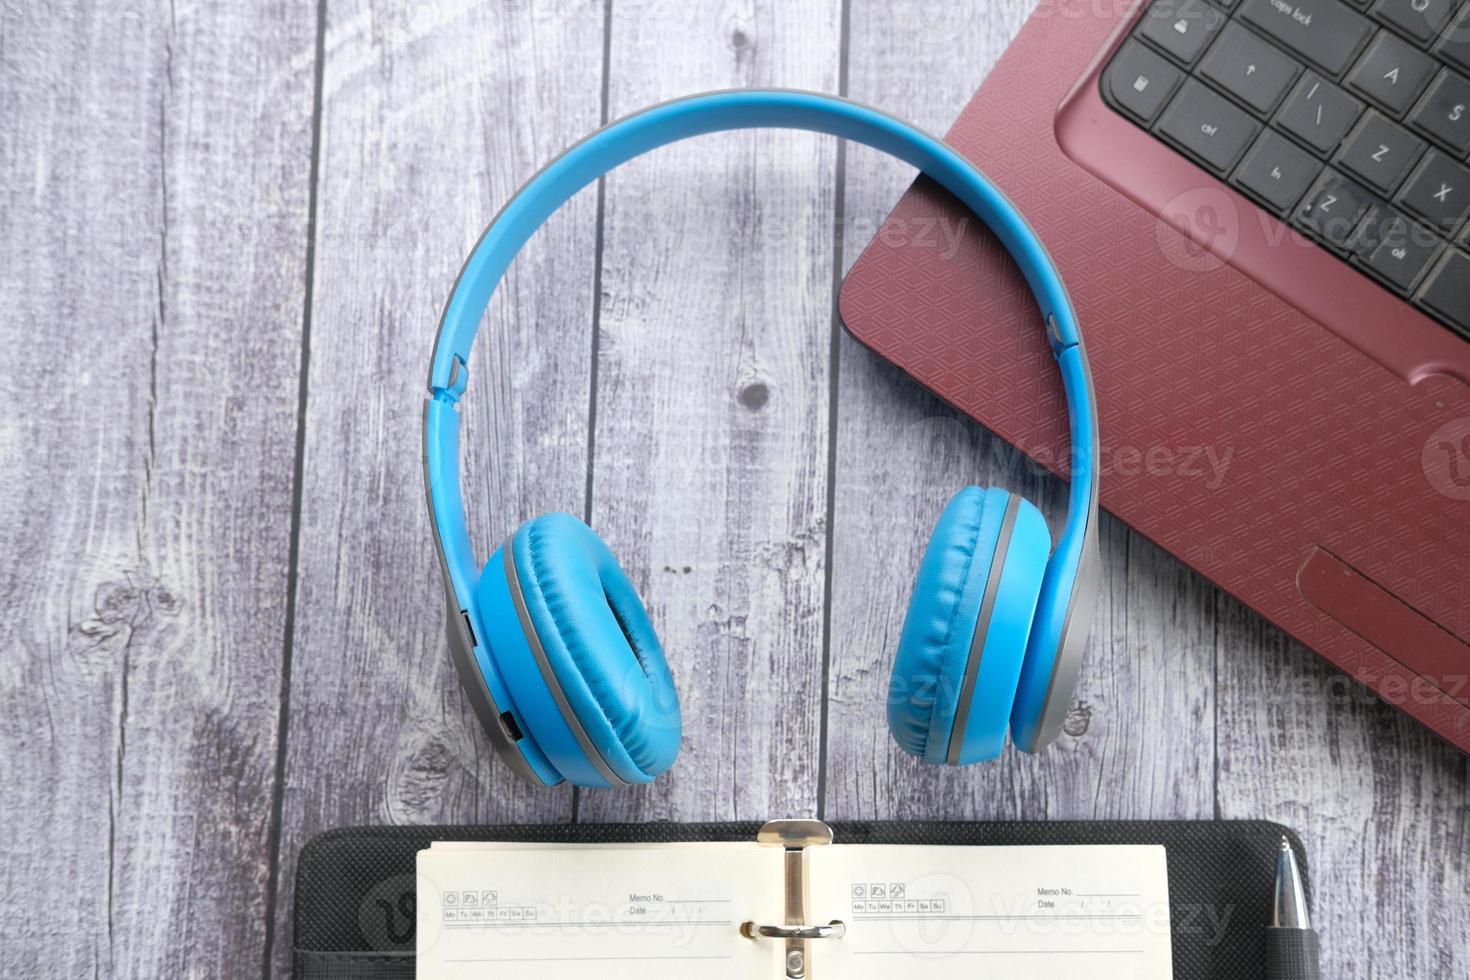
228	230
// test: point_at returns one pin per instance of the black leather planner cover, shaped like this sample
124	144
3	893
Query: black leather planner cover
354	913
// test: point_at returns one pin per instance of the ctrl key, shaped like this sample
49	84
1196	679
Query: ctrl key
1141	82
1208	126
1447	291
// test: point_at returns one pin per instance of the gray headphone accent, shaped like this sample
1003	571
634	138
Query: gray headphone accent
462	652
549	676
1081	608
982	627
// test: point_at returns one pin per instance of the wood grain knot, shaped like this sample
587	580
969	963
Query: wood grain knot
133	602
754	396
1078	719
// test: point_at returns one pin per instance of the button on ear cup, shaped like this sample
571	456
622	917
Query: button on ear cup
612	701
951	691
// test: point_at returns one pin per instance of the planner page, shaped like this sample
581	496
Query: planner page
1023	913
615	912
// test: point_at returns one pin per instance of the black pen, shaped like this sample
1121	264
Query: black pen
1291	945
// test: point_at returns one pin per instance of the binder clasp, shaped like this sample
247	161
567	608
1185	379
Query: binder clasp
795	836
832	930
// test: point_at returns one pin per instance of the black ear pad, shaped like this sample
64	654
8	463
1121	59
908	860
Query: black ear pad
600	646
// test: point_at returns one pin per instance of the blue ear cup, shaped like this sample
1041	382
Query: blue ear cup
964	637
579	655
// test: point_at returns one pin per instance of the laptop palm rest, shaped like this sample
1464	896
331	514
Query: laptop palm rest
1378	616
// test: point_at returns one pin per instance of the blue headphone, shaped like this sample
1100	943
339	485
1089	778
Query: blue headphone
554	648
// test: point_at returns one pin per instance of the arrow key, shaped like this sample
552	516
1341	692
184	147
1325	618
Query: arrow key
1253	71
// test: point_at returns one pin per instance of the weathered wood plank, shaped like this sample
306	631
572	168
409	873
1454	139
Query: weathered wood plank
901	455
153	211
1382	804
432	118
710	470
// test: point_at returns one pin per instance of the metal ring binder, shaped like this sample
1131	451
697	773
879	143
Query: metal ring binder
794	836
832	930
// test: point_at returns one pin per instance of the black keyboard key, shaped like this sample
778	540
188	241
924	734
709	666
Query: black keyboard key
1420	19
1445	111
1439	192
1447	291
1141	81
1393	73
1319	113
1333	208
1380	152
1183	28
1249	69
1420	245
1455	45
1208	126
1379	224
1277	171
1327	33
1396	248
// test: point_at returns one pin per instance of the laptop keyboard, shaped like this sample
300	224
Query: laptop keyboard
1350	119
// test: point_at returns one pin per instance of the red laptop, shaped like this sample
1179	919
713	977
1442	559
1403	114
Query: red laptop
1262	208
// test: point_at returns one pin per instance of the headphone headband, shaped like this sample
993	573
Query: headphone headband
1070	584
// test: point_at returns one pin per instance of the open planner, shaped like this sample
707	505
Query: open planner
793	903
